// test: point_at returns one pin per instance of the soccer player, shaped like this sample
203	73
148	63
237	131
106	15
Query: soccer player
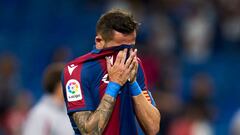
48	116
105	90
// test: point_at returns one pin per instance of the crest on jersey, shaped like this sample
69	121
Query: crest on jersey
73	90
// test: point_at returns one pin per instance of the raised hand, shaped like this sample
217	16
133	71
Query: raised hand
133	73
120	71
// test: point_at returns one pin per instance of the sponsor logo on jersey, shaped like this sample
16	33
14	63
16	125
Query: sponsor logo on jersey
73	90
71	68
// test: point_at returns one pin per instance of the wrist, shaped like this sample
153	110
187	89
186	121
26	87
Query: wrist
113	89
132	81
117	81
135	89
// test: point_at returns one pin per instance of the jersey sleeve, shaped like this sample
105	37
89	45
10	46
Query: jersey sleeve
142	82
76	89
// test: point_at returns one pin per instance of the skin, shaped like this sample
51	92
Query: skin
118	39
94	122
147	115
58	95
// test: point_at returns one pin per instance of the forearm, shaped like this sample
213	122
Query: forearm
95	122
147	114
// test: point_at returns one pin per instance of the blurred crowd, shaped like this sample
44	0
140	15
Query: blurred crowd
190	51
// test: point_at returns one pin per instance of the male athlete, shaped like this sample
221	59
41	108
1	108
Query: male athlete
105	90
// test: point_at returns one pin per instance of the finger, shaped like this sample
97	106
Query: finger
108	63
136	61
129	70
119	57
130	59
124	56
135	50
131	50
132	66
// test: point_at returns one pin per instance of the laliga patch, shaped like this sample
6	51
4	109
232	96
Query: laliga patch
73	90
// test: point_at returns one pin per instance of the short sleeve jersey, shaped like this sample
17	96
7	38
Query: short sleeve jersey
84	83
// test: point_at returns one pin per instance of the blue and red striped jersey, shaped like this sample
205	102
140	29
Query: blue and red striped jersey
84	83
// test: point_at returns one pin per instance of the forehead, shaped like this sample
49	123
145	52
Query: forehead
124	38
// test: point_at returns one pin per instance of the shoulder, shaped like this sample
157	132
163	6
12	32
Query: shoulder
85	68
79	60
140	62
140	66
76	63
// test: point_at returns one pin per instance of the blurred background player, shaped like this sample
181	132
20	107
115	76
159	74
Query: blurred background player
235	125
48	117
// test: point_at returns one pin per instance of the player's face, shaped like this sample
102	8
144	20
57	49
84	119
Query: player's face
117	40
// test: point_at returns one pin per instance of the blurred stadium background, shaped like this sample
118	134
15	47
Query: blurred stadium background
190	50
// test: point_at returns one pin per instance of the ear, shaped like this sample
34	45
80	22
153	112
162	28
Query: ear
99	42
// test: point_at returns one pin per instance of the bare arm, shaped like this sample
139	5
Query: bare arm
94	122
147	114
